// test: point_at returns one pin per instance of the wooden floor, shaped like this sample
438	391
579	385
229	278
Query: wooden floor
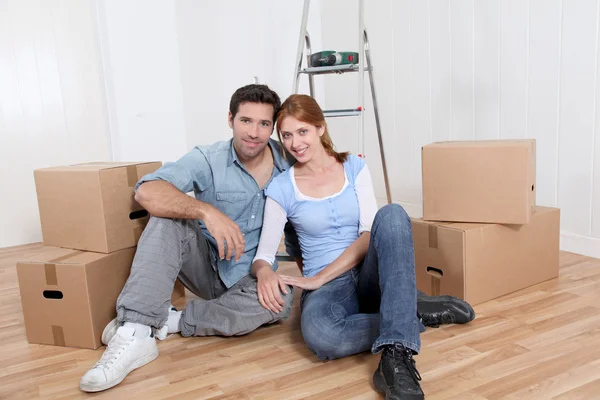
540	343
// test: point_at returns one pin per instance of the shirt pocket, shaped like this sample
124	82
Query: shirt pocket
232	197
233	204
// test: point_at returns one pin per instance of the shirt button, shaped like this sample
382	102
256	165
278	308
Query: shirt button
253	216
258	195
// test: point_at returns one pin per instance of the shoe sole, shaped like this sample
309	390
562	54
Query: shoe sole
137	364
381	386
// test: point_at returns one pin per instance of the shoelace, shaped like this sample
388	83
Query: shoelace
399	351
115	348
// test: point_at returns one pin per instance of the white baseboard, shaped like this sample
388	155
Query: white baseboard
574	243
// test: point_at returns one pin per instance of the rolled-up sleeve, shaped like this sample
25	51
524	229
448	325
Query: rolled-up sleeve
191	172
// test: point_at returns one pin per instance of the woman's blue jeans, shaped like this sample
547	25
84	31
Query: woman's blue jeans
372	305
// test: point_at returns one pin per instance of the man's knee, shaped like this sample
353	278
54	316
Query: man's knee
288	300
236	312
160	230
249	285
165	224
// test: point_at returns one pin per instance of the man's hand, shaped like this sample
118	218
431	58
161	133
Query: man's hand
224	230
269	285
311	283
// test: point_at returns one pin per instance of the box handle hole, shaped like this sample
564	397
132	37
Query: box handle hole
53	294
532	187
435	272
138	214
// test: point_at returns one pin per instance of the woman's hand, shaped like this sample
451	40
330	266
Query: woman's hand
310	283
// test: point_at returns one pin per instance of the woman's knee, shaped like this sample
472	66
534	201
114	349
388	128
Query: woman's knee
392	215
322	336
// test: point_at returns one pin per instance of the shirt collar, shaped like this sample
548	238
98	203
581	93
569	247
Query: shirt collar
281	163
232	154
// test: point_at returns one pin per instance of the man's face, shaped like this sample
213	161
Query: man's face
252	127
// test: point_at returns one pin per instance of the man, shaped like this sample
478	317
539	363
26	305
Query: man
208	242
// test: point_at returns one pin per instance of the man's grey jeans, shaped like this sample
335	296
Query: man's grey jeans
171	248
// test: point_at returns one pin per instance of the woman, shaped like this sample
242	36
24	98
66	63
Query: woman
357	262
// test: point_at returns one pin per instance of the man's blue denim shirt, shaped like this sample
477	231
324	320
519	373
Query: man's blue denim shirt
217	177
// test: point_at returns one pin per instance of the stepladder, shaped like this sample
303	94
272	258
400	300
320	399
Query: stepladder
363	64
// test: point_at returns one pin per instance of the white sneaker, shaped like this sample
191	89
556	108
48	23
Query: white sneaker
125	352
111	328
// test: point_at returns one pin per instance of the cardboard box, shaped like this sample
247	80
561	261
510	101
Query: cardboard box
479	262
91	206
68	296
489	181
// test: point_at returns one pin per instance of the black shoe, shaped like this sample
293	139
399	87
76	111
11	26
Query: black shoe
438	310
397	375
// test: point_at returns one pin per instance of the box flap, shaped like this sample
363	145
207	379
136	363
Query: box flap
57	255
465	226
543	210
460	226
482	143
93	166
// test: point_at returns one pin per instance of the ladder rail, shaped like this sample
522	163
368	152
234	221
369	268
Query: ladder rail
361	77
301	41
311	81
377	121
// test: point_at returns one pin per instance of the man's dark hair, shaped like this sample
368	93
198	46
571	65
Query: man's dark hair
254	94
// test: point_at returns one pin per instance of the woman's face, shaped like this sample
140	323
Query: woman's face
301	139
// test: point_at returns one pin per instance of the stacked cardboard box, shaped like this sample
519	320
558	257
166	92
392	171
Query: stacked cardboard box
90	227
482	235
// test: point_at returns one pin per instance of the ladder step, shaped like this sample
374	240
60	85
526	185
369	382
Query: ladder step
347	112
332	69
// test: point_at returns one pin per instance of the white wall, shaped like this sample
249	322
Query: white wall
160	74
52	103
171	69
485	70
224	45
141	62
